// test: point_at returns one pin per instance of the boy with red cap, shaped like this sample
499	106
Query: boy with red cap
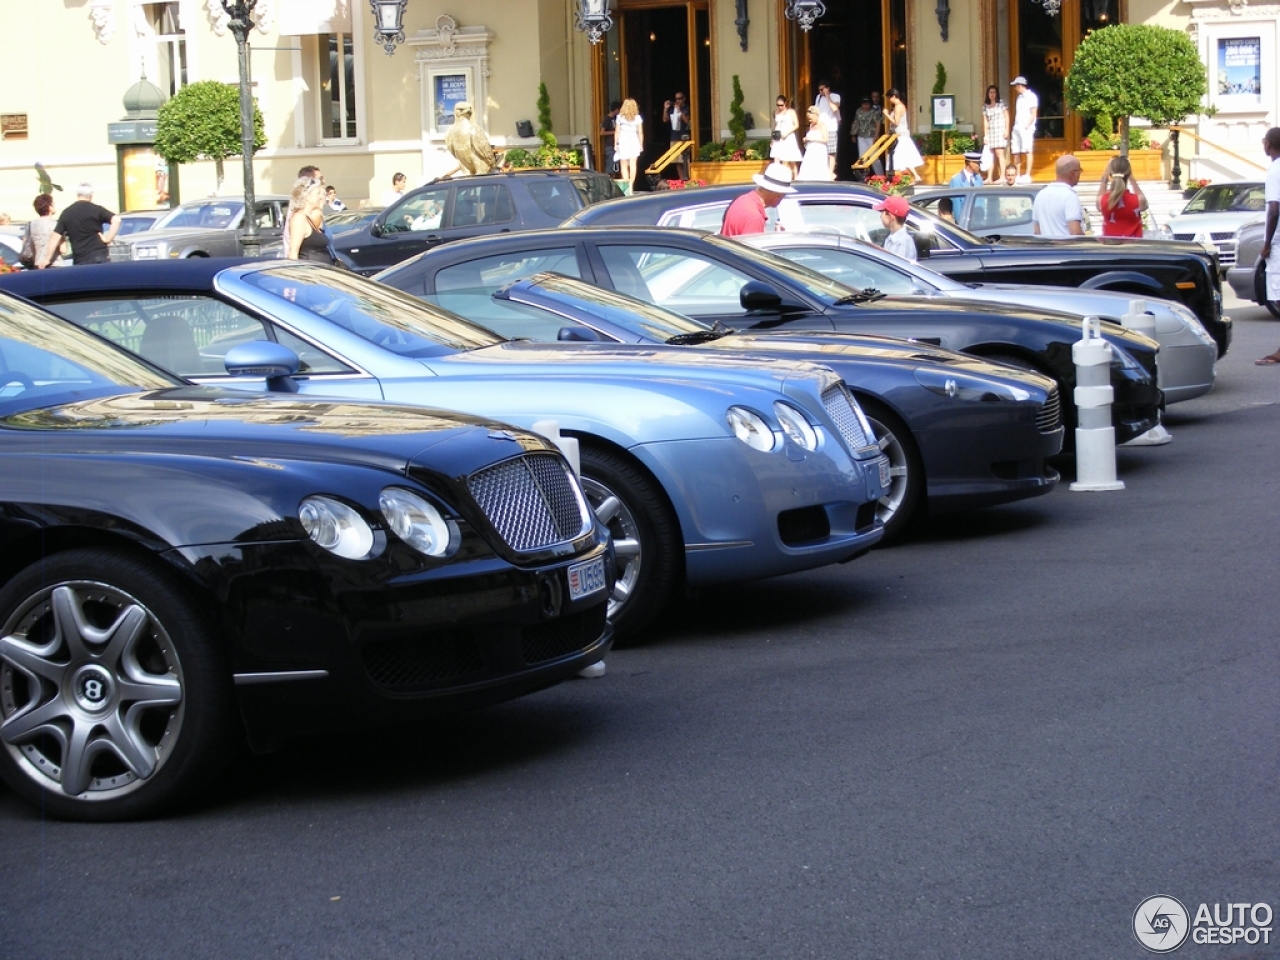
893	214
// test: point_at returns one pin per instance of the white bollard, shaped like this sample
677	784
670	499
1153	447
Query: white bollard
1138	320
568	445
1095	436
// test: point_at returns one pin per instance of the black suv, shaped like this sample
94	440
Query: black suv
470	207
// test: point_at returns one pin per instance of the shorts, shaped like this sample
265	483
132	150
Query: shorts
1021	139
1273	270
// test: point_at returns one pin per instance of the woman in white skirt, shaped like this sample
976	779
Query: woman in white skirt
814	166
628	140
905	154
785	148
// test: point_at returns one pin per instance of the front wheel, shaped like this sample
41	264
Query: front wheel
646	538
113	703
906	470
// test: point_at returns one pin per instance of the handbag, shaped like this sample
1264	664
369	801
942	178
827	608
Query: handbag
988	158
27	255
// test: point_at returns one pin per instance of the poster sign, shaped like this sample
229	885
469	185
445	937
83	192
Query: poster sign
1239	79
944	111
448	90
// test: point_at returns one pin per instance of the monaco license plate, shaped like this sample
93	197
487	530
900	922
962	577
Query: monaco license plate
586	578
884	472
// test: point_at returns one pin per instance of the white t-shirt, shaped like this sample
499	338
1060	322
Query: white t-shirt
1272	195
829	110
900	243
1022	107
1056	206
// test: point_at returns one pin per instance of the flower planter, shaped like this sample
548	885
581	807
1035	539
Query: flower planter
941	167
712	172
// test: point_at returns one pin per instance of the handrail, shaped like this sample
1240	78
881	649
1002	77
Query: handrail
1175	128
673	155
878	150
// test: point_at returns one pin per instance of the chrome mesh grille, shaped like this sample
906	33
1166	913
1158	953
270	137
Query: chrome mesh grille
1050	415
532	501
839	404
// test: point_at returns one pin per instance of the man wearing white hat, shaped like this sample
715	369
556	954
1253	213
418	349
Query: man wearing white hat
1022	136
971	175
748	213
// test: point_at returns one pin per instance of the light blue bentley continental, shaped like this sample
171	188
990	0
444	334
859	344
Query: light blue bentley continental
705	468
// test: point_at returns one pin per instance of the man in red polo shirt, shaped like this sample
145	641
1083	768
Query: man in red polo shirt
747	213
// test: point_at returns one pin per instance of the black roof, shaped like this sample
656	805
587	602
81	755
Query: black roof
134	274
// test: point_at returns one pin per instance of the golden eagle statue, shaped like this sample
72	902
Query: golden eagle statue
468	143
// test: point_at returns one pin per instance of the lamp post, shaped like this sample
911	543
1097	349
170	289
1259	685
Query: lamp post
1175	174
388	22
240	25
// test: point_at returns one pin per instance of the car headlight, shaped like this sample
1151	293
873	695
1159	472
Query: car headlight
1192	323
750	428
417	522
1164	231
968	387
336	527
796	426
145	253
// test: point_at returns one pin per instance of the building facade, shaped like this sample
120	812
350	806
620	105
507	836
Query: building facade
334	94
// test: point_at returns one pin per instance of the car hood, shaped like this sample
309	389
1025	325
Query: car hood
1223	222
208	422
169	235
1111	304
1109	247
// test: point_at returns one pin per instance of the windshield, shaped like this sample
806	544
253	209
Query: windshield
641	319
210	214
822	289
392	320
1228	198
45	360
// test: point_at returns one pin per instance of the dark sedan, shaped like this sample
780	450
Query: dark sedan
184	566
715	279
958	432
1173	270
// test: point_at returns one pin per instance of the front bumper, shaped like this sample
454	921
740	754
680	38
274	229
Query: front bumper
320	646
1186	370
747	515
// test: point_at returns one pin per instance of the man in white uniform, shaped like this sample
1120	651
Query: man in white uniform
828	105
1022	136
1057	211
1270	249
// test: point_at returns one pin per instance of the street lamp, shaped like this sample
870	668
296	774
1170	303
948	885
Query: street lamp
805	12
594	19
240	24
388	22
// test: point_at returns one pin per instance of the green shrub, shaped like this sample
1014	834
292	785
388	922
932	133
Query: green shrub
202	121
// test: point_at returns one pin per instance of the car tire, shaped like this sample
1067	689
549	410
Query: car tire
114	700
647	544
1260	289
898	508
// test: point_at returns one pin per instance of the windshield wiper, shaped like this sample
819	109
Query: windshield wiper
869	295
689	339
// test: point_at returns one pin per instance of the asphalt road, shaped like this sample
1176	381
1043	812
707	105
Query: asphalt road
992	741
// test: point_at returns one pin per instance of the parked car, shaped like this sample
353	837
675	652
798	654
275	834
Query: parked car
212	227
1185	365
1248	275
705	469
1214	215
958	432
469	207
186	565
135	221
718	280
350	218
1183	272
994	210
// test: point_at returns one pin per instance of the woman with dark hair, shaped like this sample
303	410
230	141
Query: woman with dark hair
995	131
38	230
785	147
905	154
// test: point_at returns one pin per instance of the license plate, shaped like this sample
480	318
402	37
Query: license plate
586	578
884	472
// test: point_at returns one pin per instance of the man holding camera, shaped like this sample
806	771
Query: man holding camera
675	117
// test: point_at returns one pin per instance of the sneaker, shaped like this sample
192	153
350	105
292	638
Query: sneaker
593	671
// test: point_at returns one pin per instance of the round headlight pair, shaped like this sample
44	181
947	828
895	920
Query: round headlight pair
342	531
751	428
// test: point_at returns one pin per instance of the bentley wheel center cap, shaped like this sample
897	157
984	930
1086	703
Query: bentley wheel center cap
93	688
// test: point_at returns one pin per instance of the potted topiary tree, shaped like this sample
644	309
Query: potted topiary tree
1133	70
734	160
202	122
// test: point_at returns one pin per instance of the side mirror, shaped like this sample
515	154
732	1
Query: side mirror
263	358
375	228
578	335
758	297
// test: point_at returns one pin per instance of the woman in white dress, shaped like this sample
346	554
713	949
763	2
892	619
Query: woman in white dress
628	140
785	148
814	166
905	154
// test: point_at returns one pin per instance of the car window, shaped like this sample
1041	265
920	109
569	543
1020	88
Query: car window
419	212
594	189
266	215
850	268
516	321
212	215
560	199
684	282
861	223
707	217
187	335
1228	197
486	274
481	204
